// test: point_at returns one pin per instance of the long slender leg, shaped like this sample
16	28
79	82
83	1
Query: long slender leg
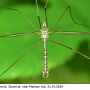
75	21
72	33
38	13
45	63
60	17
20	34
71	49
19	58
21	14
71	17
46	13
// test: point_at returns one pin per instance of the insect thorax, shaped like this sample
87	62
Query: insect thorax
44	32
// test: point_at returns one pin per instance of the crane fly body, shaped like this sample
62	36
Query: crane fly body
44	34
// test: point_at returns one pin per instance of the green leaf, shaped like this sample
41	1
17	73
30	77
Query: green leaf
31	65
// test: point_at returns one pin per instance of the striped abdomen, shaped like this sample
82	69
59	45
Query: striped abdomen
45	64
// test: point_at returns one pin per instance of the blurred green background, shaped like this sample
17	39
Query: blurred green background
65	66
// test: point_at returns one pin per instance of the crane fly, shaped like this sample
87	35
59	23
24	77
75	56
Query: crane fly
44	34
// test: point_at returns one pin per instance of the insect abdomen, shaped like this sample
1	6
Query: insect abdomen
45	64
